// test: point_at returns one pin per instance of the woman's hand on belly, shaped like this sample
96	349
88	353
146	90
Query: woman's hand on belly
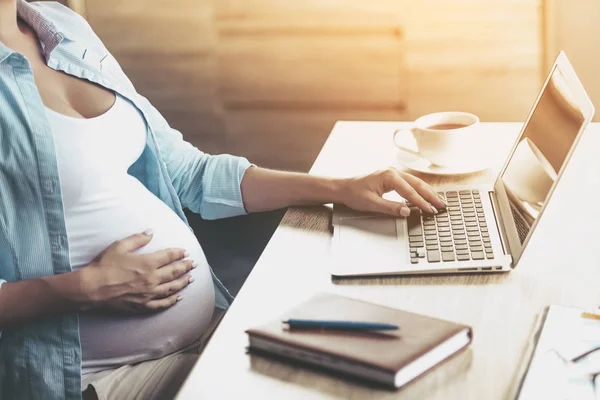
122	280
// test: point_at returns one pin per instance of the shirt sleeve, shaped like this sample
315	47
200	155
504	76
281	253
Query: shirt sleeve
206	184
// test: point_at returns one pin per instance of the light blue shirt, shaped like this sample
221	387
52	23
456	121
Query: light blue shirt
42	360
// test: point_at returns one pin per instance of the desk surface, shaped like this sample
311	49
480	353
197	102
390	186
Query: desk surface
559	267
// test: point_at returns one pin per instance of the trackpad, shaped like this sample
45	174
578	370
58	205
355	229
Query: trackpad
372	238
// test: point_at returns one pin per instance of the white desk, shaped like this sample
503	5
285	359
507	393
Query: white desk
561	266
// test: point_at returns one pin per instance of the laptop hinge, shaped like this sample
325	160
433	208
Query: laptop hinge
499	226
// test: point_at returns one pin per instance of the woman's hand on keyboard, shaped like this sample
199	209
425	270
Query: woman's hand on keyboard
366	193
122	280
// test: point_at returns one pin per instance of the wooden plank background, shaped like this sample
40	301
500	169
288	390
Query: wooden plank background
267	79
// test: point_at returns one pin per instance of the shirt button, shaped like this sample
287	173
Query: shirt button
49	187
57	241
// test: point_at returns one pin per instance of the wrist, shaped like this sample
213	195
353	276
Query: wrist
338	188
88	296
76	288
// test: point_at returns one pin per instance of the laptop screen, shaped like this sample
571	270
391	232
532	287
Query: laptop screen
541	151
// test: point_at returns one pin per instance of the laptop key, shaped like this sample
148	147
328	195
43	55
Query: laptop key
414	260
421	253
488	245
452	194
459	242
461	247
462	251
433	256
431	243
463	257
415	238
430	237
447	255
414	223
447	239
477	255
417	244
490	256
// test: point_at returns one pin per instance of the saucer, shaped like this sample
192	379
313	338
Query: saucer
414	162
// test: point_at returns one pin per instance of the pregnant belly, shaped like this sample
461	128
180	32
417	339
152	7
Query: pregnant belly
110	339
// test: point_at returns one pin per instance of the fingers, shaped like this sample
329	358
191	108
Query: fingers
161	304
425	191
167	256
390	207
414	190
171	272
133	242
170	288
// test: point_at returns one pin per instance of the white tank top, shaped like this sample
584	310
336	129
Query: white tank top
103	203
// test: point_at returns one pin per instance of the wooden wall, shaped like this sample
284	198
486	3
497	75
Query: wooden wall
573	27
267	79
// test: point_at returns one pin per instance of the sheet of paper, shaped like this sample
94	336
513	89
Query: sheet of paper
564	334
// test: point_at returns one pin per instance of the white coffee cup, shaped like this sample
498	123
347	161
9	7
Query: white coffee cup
445	138
529	175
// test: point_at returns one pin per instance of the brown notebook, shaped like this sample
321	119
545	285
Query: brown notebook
391	358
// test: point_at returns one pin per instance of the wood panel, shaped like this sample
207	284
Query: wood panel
155	26
573	27
320	72
332	16
478	56
289	139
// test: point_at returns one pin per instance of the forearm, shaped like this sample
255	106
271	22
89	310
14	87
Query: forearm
29	300
264	189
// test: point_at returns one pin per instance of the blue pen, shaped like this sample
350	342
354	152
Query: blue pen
339	325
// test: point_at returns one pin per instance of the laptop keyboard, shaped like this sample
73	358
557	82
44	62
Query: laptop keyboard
459	233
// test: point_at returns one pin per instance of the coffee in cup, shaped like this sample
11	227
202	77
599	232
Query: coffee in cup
445	138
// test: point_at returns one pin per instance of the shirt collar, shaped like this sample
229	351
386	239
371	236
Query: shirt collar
47	32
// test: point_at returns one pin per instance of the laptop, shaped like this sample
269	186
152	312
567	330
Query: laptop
485	228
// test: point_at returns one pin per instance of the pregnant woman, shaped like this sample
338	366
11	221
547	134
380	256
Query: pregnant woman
105	291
